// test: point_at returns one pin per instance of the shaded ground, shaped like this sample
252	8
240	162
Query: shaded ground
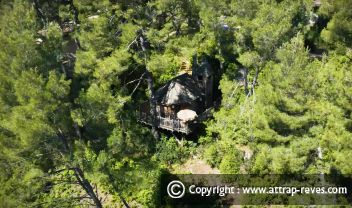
195	165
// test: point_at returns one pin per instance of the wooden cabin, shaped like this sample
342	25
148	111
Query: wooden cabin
182	101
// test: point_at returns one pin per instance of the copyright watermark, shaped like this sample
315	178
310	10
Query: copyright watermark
246	189
176	189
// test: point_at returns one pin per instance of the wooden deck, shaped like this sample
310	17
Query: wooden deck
174	125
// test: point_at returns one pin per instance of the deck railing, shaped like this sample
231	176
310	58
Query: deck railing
164	123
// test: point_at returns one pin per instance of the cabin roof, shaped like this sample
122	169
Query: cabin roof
179	90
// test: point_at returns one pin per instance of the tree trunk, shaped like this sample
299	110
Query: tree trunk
152	104
254	80
86	186
83	182
111	178
245	76
123	200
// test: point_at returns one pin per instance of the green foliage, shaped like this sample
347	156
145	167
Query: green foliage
338	33
290	115
68	98
230	164
170	152
211	155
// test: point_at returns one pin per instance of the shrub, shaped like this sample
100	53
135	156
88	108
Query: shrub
212	156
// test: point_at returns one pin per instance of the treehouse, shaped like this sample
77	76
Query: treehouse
183	102
68	27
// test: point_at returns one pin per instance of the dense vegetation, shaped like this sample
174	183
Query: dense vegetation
68	132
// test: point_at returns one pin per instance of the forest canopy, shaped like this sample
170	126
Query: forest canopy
74	72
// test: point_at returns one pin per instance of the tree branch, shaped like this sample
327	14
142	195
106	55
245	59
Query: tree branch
140	81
